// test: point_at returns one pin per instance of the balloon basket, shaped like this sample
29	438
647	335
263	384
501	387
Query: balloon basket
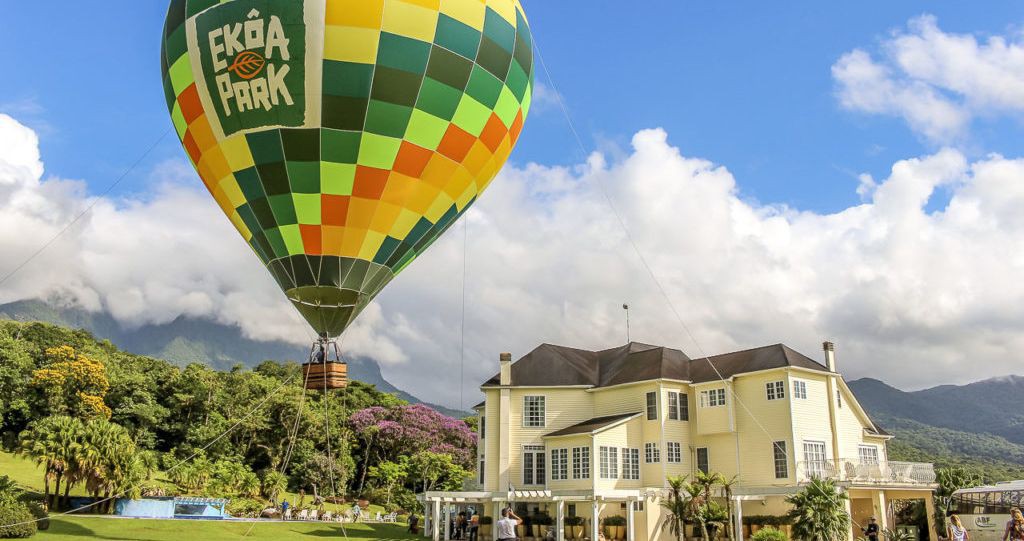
330	375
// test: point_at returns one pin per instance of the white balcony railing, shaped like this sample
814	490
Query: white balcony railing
856	471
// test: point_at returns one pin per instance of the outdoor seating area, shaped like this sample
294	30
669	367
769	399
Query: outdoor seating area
349	516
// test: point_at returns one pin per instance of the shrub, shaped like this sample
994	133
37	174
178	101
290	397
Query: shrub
486	521
246	507
542	519
13	511
614	520
574	521
769	534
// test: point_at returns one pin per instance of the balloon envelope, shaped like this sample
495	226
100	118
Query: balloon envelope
342	137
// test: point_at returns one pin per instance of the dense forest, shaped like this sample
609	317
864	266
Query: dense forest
105	420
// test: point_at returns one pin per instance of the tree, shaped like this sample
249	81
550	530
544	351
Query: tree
274	483
389	474
950	480
53	443
437	471
819	512
727	486
73	384
677	506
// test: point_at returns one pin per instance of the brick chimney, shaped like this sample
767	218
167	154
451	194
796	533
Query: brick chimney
830	355
505	361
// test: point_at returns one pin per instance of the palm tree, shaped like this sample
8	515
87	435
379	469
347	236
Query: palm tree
819	512
249	485
274	483
150	463
676	506
727	487
53	442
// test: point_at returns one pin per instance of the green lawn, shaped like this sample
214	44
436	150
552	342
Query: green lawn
29	476
176	530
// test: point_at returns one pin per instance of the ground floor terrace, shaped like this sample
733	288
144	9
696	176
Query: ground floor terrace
577	514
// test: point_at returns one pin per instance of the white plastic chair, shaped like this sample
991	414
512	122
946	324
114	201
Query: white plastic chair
304	514
327	516
287	515
313	514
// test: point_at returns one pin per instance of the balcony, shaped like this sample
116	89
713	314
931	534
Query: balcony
862	472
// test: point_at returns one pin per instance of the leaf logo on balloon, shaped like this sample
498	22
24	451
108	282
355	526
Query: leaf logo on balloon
248	64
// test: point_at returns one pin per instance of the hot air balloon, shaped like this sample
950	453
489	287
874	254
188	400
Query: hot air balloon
343	137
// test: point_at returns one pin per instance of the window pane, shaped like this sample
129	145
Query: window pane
652	406
673	406
781	460
684	407
702	460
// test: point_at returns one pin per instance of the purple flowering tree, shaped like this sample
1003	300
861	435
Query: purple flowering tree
387	434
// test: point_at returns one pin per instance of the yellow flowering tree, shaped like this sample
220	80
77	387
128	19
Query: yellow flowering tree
73	384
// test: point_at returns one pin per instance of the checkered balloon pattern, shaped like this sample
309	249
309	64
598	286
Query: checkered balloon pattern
343	137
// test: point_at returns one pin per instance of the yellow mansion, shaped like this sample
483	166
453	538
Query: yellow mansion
592	434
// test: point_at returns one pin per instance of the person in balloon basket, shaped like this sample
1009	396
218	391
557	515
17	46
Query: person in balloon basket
871	531
1015	527
507	525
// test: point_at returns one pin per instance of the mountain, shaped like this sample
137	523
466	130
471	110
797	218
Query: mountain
978	424
190	340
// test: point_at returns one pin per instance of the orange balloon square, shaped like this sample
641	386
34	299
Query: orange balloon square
191	107
369	182
517	127
311	239
333	210
411	159
456	143
439	171
332	238
493	132
399	188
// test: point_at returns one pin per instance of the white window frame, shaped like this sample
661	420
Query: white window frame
609	462
530	420
631	463
872	457
781	462
678	407
674	452
560	464
707	459
712	398
581	462
652	453
799	389
775	390
651	407
538	468
839	399
815	467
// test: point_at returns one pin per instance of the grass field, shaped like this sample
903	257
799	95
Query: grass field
65	528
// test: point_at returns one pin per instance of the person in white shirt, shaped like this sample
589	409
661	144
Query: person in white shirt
507	525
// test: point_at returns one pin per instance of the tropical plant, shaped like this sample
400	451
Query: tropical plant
53	443
769	534
678	505
819	512
613	520
273	484
897	535
727	487
389	474
569	521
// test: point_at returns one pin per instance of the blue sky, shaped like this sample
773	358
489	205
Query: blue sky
744	84
893	127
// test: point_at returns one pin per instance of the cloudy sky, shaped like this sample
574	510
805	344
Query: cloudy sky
855	176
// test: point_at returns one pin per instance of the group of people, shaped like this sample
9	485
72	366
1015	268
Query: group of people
466	525
1014	530
955	530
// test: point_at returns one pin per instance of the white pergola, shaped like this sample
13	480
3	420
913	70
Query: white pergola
433	502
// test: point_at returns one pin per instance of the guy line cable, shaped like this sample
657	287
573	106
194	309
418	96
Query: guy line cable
643	259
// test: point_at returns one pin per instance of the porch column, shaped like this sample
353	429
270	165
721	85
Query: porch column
630	509
882	510
560	520
426	518
848	504
929	508
595	523
435	517
445	517
738	523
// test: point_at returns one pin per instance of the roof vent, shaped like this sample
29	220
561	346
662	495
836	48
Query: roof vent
830	355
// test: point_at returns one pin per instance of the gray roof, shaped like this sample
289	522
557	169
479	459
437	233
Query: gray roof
549	365
588	426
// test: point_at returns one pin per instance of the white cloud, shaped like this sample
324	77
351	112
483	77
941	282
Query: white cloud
938	82
914	297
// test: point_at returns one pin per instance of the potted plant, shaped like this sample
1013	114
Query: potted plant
522	532
541	524
486	525
574	527
614	526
